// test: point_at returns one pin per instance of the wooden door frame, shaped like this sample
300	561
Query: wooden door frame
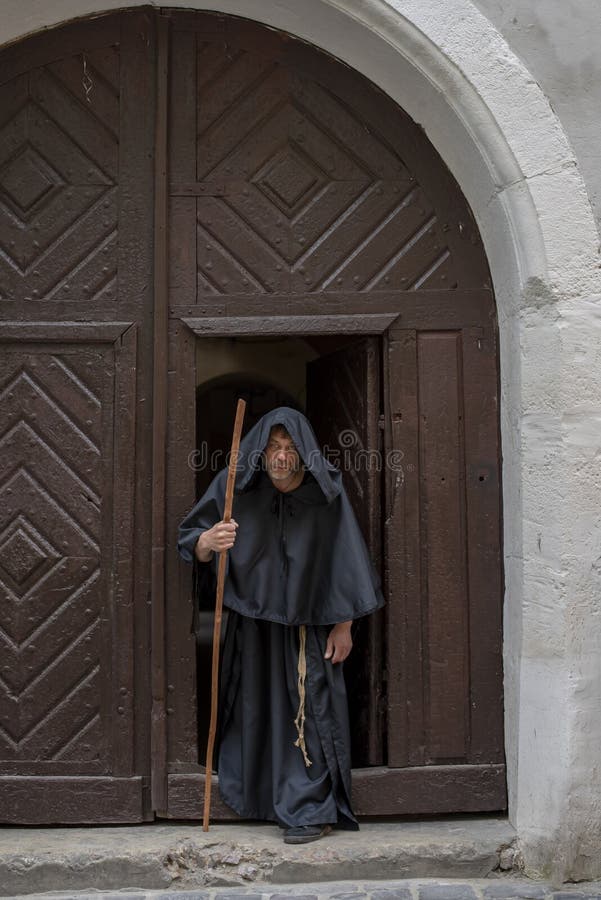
376	790
158	732
183	790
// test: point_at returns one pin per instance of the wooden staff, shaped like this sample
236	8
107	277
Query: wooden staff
227	514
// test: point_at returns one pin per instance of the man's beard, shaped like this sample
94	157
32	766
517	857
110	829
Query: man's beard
280	473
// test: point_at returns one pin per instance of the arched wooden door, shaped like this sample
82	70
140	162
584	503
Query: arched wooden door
168	176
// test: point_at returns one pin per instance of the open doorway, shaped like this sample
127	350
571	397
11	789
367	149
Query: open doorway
336	381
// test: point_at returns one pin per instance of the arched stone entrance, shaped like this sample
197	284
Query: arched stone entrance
496	131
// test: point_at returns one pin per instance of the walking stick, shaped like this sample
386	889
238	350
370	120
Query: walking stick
227	514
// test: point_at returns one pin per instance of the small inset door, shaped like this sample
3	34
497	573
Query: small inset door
343	405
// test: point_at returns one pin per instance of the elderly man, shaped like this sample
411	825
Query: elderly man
298	573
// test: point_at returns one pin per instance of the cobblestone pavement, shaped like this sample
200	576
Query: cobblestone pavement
410	889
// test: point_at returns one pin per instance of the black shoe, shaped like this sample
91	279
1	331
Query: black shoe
302	834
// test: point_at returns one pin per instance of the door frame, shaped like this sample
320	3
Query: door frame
180	794
375	788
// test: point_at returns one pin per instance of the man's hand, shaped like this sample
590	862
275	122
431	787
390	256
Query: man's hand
339	643
220	537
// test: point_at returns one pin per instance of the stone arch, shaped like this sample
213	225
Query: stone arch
496	131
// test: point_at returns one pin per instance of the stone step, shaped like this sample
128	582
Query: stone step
180	856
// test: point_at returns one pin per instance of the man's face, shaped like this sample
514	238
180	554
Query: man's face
281	456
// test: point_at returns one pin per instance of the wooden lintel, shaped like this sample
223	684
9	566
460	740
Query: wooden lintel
269	326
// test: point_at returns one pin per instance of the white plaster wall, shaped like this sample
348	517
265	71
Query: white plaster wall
559	41
455	73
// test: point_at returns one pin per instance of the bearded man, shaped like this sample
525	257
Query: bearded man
298	573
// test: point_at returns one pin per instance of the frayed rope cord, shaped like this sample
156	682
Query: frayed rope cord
302	674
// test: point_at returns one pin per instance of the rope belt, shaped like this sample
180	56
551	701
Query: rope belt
302	674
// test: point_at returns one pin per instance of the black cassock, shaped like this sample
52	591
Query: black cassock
299	559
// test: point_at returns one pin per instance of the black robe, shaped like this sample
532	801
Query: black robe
299	559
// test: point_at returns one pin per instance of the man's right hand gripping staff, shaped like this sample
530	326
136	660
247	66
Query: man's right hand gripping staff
220	537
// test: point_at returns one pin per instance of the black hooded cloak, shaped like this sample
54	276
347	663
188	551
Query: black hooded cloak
299	559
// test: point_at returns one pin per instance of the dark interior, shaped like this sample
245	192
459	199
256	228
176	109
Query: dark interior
215	411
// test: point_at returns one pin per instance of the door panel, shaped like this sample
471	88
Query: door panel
343	405
51	535
60	159
442	684
66	629
443	546
482	438
76	137
291	175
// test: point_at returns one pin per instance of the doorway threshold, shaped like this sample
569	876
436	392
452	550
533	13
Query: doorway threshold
180	856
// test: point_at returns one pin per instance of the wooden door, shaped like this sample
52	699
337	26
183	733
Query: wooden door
75	317
301	196
162	174
343	406
443	573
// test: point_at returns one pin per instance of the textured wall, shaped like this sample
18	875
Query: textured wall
559	43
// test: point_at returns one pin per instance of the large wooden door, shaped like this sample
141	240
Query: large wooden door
164	175
75	318
301	197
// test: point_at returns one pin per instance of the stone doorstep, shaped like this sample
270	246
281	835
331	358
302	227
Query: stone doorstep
180	856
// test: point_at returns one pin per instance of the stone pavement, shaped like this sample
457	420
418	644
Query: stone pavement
494	888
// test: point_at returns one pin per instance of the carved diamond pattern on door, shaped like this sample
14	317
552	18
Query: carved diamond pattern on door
288	180
309	199
76	235
58	171
26	180
24	556
51	642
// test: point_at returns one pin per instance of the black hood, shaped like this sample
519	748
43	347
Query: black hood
250	458
305	565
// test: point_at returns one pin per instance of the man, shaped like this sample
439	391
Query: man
298	573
